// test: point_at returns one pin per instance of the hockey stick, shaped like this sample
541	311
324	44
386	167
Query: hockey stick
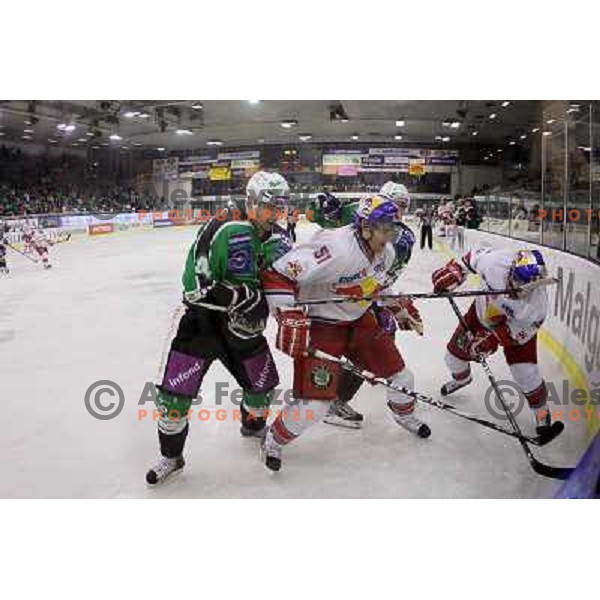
418	295
22	253
61	238
205	305
538	467
371	378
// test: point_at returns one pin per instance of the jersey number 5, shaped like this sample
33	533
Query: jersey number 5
322	254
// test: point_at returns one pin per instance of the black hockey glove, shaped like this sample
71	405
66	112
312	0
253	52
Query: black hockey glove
248	312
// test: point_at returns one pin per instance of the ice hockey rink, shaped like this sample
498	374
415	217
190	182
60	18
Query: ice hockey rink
104	312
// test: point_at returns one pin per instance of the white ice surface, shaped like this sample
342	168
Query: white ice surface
104	311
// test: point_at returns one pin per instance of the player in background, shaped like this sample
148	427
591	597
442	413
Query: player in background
461	222
3	266
37	244
353	260
511	321
223	269
329	212
325	211
340	412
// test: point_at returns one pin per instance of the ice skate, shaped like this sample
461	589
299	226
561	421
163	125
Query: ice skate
165	467
270	451
543	421
253	425
252	430
453	385
343	415
411	423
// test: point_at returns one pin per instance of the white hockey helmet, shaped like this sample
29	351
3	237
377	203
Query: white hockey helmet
268	188
398	192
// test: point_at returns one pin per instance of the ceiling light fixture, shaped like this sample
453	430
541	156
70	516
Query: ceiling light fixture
183	132
493	116
398	137
505	103
115	137
451	123
305	137
289	123
355	137
400	123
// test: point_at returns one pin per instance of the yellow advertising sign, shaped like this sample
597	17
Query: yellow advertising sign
219	173
416	170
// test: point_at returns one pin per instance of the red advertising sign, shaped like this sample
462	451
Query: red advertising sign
100	228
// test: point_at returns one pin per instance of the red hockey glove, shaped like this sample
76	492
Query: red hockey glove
293	334
407	315
449	277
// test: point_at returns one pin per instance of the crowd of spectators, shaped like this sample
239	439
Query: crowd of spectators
43	185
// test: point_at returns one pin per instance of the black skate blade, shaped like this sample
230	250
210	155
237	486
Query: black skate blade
273	464
549	434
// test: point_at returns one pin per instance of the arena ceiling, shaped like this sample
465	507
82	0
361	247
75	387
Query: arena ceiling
185	124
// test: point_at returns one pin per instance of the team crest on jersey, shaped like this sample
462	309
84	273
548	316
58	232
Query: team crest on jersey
321	377
240	259
293	269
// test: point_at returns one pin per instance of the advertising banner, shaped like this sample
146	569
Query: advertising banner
101	228
219	173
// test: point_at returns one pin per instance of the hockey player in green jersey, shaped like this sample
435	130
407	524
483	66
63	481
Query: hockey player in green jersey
226	314
328	211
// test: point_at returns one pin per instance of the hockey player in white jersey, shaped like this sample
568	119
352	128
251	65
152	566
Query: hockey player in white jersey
340	412
353	260
511	321
36	243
